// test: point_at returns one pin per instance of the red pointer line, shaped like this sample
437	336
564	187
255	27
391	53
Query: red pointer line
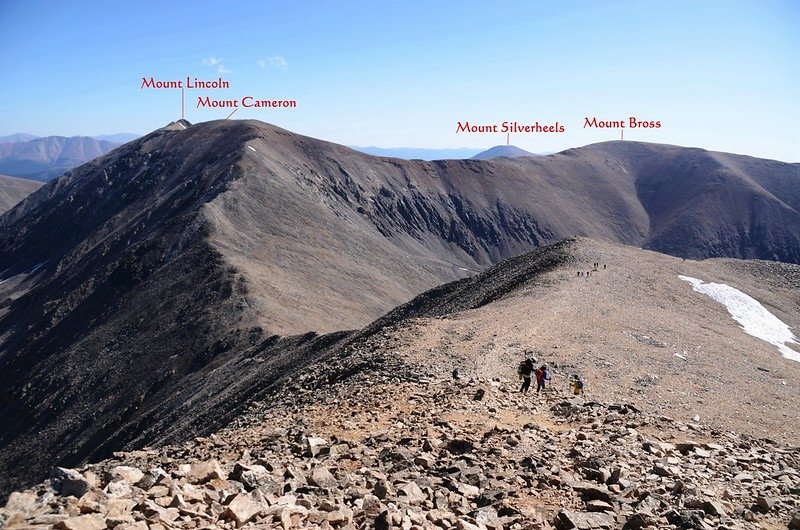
508	138
231	114
182	104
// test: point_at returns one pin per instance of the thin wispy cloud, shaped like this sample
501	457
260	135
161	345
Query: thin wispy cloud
216	61
274	62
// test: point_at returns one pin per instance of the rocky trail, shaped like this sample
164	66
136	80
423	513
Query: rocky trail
365	439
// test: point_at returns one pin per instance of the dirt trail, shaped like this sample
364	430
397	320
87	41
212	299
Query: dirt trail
634	330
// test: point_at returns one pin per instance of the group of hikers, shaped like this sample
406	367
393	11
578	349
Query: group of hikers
595	268
526	371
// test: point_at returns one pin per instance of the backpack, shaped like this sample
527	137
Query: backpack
521	368
579	384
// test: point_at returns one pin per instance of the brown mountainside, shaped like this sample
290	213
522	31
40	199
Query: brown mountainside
165	267
685	420
13	190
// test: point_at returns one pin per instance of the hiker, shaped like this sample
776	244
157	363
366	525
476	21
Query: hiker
541	377
576	384
525	369
604	266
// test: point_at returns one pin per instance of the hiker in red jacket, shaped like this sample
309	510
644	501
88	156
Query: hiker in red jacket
541	377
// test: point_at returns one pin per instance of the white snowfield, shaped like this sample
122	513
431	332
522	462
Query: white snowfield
754	318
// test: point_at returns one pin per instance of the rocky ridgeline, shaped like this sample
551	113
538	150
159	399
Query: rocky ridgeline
366	441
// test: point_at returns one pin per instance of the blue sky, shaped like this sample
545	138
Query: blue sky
719	75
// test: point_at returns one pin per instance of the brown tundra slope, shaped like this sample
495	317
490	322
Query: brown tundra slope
13	190
634	329
138	290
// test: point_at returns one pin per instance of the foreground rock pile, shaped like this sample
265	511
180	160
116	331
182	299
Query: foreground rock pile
346	447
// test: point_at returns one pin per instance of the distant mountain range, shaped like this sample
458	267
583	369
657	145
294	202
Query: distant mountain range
419	153
119	138
49	157
17	137
508	151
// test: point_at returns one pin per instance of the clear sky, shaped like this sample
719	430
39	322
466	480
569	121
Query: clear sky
723	75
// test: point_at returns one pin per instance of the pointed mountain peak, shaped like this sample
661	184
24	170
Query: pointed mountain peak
177	125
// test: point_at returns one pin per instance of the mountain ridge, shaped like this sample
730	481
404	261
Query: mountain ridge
181	254
430	389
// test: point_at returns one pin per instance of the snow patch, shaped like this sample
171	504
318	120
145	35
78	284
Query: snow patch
253	149
754	318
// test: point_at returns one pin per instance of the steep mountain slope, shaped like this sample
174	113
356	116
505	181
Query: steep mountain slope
704	204
13	190
508	151
47	158
165	267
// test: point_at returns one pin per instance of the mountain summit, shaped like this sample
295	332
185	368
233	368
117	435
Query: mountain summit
508	151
